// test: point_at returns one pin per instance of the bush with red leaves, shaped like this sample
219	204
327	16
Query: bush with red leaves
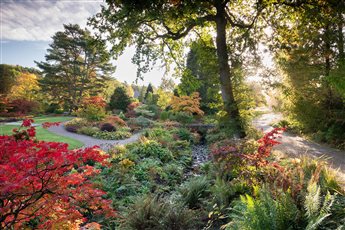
130	109
46	182
23	106
115	120
230	157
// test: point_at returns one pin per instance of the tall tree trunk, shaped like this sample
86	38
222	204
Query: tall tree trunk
230	104
328	53
341	39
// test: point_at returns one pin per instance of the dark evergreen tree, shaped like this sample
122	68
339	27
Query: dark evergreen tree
148	90
120	99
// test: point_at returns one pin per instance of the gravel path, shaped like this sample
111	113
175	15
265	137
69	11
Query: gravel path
296	146
90	141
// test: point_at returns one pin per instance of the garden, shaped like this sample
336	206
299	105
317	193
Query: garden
80	149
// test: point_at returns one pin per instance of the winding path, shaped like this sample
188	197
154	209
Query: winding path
90	141
296	146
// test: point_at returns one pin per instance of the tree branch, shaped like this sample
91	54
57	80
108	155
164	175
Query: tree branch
184	31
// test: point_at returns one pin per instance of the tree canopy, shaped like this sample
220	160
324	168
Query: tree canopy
77	65
157	28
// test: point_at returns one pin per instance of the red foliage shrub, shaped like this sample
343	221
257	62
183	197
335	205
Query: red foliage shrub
23	106
5	104
229	157
115	120
47	125
47	182
130	109
94	100
267	142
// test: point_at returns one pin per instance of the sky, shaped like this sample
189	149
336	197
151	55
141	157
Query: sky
26	28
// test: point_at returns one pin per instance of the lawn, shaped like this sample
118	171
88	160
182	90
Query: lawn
42	119
43	134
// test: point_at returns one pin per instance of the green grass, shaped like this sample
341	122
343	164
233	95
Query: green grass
44	135
42	119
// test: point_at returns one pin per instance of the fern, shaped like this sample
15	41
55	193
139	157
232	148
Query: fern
316	213
263	213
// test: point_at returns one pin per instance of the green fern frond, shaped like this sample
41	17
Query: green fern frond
312	200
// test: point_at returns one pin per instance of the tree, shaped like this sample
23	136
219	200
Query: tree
147	23
26	86
167	84
187	104
201	74
164	98
148	90
120	99
309	48
77	65
8	75
44	185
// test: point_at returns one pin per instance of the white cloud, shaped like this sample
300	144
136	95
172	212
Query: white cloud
37	20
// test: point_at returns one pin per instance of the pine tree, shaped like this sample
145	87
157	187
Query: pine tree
77	65
120	99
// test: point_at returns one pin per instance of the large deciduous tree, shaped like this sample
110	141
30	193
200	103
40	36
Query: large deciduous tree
309	47
77	65
149	23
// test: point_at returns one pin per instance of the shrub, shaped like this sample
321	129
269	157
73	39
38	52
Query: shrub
24	106
91	113
108	127
72	128
165	115
92	108
159	134
184	134
41	177
184	118
130	109
187	104
89	131
112	135
94	100
77	122
193	191
264	212
115	120
120	99
153	213
142	110
54	108
122	116
141	122
152	149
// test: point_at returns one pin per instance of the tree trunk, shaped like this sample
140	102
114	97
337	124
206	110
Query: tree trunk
230	104
341	39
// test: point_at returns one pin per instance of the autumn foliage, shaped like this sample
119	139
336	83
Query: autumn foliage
115	120
233	156
187	104
46	185
95	101
130	109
